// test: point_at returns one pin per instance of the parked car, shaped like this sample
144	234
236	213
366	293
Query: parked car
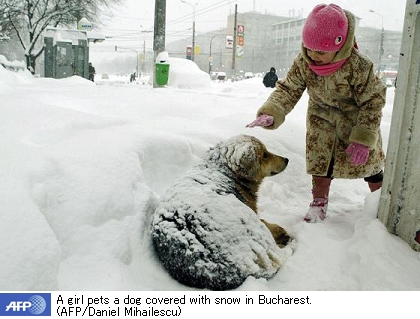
221	76
248	75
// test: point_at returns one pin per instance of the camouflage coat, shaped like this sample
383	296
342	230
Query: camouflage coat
343	107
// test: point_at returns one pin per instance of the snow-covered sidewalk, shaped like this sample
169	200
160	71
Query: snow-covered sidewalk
82	166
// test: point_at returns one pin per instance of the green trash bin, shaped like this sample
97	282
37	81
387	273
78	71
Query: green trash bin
162	73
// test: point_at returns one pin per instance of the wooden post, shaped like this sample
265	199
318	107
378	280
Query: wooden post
399	207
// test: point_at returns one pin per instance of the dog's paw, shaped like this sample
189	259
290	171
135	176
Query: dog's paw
282	239
280	235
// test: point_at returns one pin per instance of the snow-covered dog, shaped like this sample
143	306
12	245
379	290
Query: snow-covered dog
205	229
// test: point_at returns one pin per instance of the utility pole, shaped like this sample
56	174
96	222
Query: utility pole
399	202
235	25
159	32
159	29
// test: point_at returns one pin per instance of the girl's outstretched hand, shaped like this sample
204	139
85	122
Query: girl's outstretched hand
262	120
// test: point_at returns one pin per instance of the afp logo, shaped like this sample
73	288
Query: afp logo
25	304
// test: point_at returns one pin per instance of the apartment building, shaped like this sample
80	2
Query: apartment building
271	40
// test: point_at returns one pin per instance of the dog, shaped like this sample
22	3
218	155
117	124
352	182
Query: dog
205	229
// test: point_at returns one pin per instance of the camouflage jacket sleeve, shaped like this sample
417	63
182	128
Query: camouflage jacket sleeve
369	93
287	93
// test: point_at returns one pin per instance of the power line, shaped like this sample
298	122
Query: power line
132	34
202	11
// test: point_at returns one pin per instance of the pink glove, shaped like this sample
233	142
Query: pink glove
262	120
358	153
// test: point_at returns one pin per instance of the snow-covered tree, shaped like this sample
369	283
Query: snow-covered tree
29	18
4	27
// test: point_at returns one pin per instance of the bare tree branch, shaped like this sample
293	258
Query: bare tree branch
29	19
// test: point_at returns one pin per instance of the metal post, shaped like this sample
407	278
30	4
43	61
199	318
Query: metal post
144	50
137	56
234	39
399	202
193	28
143	69
381	49
210	56
137	69
252	61
193	48
381	42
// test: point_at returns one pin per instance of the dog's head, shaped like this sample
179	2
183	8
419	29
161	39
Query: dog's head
248	158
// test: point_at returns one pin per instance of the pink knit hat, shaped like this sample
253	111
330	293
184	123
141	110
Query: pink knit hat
325	28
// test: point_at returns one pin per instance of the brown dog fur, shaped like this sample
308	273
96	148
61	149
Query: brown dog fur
266	164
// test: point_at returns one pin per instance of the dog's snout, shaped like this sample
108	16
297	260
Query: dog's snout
286	160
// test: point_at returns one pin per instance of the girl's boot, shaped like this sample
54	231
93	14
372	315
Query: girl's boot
318	208
375	181
374	186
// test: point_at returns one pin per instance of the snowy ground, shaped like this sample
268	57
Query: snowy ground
82	166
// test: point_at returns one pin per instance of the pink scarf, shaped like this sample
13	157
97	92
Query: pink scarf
327	69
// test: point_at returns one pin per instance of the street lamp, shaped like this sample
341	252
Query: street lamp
381	47
137	56
193	28
210	57
144	42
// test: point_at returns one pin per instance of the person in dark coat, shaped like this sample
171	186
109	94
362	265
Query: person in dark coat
91	72
270	78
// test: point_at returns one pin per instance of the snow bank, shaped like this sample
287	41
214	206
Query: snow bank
185	74
8	78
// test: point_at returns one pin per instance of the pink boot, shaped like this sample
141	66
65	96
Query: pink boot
318	208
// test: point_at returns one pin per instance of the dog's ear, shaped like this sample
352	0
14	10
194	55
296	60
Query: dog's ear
242	159
239	154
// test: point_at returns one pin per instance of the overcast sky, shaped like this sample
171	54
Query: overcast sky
136	15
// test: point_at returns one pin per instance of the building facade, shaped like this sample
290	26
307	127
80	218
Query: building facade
271	40
256	54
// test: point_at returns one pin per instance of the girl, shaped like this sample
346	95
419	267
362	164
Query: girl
346	98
